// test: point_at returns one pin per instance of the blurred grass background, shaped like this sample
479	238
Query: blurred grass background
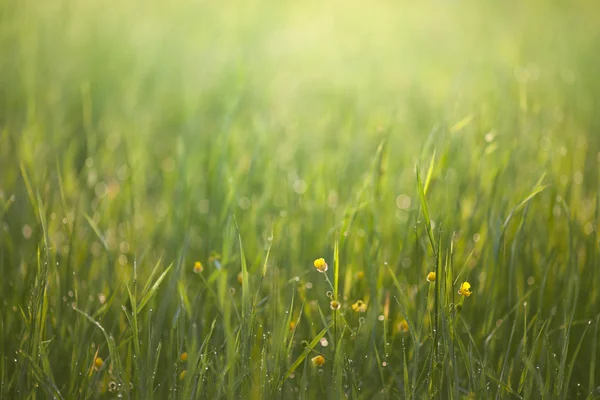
138	134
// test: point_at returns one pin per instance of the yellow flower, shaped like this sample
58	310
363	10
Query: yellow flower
292	325
98	362
403	326
321	265
360	275
183	357
335	305
359	306
182	375
240	278
198	267
431	277
464	289
318	360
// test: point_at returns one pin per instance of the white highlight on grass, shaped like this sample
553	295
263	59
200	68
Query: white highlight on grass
244	203
27	231
300	186
403	202
101	189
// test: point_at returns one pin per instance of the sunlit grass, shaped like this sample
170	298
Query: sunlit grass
299	200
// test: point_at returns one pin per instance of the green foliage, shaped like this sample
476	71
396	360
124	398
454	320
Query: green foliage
393	140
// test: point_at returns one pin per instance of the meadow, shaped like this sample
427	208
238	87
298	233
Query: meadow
276	200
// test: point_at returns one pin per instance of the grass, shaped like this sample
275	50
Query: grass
393	140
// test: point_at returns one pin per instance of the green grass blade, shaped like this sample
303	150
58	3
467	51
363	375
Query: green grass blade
425	210
152	291
305	353
429	174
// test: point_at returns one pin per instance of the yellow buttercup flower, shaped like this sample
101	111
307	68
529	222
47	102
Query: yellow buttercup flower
98	362
292	325
359	306
335	305
182	375
198	267
431	277
464	289
318	360
360	275
403	326
183	357
321	265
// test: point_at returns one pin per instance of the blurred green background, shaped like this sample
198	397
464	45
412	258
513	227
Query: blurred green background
134	132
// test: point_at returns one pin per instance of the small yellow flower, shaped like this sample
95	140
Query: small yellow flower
292	325
360	275
335	305
198	267
431	277
182	375
464	289
403	326
359	306
318	360
183	357
321	265
240	278
98	362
